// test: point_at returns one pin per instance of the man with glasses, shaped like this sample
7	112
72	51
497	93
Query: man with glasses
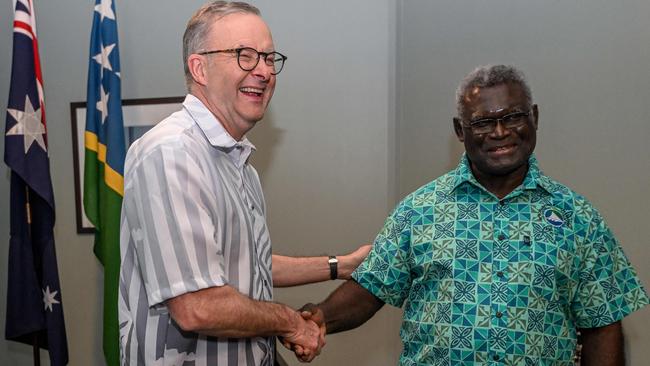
495	262
196	279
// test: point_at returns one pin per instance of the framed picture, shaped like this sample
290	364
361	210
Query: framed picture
139	116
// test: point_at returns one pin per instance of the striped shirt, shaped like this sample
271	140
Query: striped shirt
193	217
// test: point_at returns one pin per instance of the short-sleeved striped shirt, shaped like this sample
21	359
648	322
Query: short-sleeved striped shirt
193	217
498	282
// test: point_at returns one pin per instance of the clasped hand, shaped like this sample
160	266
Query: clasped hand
309	337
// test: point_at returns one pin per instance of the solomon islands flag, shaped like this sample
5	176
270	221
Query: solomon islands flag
104	162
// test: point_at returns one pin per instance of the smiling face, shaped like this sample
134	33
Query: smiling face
503	153
237	98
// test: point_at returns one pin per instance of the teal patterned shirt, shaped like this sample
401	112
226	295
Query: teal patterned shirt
486	281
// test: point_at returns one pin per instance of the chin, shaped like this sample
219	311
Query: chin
254	115
254	119
504	168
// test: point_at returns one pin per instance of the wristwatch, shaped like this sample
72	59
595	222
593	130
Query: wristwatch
333	262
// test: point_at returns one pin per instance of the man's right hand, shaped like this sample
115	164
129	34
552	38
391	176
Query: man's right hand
307	338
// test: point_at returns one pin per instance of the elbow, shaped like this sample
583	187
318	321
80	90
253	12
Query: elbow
186	319
186	314
204	311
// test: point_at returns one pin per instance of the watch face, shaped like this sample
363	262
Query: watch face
332	260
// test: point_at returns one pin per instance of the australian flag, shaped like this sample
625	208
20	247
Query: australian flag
34	305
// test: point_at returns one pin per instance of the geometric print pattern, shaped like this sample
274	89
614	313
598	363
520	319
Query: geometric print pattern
489	281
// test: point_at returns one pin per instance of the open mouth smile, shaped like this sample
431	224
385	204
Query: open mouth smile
502	150
251	91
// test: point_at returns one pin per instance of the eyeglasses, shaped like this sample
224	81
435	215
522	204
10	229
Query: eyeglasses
248	58
488	125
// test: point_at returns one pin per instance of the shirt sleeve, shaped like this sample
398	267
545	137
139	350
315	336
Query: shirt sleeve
386	271
609	287
168	207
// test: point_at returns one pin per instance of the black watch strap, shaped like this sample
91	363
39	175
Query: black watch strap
334	267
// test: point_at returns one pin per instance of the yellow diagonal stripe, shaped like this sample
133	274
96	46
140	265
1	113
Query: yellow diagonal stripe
112	178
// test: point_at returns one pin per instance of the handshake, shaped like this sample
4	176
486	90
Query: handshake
308	336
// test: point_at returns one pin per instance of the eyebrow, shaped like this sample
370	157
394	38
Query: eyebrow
517	109
265	51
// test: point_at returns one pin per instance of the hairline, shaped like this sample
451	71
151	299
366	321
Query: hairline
489	76
200	26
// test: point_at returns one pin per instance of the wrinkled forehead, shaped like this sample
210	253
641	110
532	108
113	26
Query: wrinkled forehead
240	29
493	99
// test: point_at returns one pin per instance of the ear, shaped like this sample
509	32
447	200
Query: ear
535	115
197	65
458	129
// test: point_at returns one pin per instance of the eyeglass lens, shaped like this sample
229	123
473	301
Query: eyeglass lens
248	59
509	121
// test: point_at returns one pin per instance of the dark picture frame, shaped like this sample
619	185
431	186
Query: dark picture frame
139	116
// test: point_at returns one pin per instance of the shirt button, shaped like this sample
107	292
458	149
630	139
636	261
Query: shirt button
499	314
500	274
502	237
495	357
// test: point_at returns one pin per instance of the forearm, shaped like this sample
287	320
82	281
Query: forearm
348	307
603	346
293	271
224	312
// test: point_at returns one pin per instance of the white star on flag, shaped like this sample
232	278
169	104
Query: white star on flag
48	298
102	103
105	9
28	124
102	57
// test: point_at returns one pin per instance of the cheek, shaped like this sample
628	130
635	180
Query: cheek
529	137
271	87
473	143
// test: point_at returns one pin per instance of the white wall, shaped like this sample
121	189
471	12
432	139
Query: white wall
360	117
587	63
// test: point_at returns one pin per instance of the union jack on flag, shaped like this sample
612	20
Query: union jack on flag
34	304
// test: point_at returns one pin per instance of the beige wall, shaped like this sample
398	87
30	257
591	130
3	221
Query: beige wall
361	116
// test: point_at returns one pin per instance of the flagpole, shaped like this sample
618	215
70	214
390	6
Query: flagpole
35	347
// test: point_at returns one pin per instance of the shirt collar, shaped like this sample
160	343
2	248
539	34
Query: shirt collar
534	177
215	133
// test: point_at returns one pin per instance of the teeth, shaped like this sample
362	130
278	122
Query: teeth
252	90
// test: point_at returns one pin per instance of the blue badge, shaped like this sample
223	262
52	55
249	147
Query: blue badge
554	216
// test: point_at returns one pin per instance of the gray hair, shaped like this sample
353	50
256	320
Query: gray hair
200	24
488	76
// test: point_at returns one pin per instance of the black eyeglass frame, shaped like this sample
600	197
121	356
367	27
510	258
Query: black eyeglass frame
259	54
510	121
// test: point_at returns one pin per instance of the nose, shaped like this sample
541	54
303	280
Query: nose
262	71
500	130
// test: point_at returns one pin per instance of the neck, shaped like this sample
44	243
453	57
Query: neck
501	185
229	127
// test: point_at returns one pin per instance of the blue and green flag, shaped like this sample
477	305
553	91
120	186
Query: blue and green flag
104	162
